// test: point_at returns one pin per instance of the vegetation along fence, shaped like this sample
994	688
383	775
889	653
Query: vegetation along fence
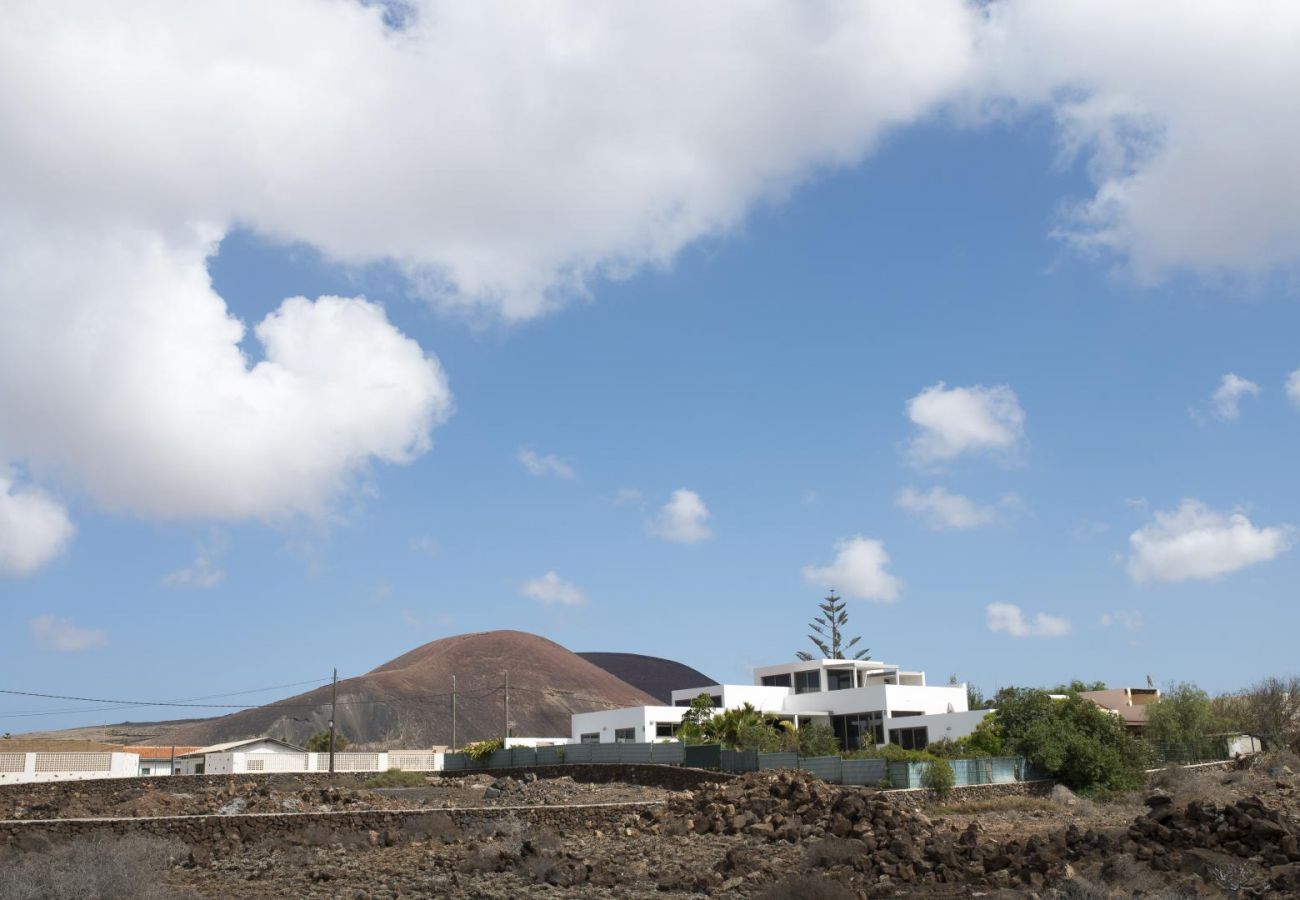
992	770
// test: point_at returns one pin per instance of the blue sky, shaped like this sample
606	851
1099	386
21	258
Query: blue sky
767	368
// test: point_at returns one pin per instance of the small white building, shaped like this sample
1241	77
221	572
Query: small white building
155	761
232	758
866	703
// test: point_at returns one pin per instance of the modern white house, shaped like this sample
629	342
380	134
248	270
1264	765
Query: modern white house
866	703
159	760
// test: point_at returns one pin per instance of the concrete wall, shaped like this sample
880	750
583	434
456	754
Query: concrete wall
944	725
24	768
643	718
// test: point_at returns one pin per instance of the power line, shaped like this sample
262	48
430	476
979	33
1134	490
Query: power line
128	704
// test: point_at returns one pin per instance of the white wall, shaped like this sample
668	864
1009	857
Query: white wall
942	725
21	768
643	718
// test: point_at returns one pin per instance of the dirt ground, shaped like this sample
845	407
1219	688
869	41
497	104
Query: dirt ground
772	837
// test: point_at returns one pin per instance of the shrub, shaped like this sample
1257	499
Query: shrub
481	750
104	868
320	743
818	740
397	778
938	777
1083	746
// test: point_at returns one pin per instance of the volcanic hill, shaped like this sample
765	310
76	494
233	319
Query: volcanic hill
407	701
657	677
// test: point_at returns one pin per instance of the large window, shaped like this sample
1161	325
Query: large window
910	738
839	679
782	680
624	735
592	737
808	682
859	731
666	729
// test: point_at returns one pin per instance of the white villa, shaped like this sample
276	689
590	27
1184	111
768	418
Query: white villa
866	703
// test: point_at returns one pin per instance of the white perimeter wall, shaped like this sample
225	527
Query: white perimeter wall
20	768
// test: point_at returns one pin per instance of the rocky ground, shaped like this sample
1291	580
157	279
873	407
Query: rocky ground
287	793
771	836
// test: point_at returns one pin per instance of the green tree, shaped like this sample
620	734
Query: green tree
1183	716
985	740
938	777
320	742
826	636
694	720
1268	709
1083	746
1078	687
818	740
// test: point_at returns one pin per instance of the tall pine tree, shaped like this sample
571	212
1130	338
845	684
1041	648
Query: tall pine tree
827	636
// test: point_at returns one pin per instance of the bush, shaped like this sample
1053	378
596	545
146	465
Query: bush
481	750
397	778
818	740
938	777
320	743
1083	746
103	868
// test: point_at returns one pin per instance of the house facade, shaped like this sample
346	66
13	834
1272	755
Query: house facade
865	702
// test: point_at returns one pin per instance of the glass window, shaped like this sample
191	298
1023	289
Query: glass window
717	700
910	738
624	735
808	682
860	730
839	679
681	703
590	738
782	680
899	713
666	729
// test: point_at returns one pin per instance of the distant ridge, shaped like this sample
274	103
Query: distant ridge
657	677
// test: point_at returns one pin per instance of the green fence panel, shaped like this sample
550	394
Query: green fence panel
778	761
827	768
578	753
606	753
636	754
522	756
550	756
702	756
455	762
863	771
499	759
900	775
739	761
670	754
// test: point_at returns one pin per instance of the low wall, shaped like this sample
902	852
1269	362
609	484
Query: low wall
672	778
218	833
925	797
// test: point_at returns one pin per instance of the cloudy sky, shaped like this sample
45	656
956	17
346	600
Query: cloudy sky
331	328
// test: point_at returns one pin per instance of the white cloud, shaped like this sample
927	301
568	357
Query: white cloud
205	571
1293	387
544	465
1010	618
61	635
1129	619
1227	396
858	570
682	519
34	528
1197	543
553	590
1186	117
953	421
943	509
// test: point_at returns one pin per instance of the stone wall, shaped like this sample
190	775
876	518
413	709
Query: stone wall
218	834
924	797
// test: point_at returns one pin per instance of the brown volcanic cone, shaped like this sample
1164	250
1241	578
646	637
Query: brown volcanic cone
407	702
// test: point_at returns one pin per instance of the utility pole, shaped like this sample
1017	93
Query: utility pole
334	695
506	741
453	714
172	771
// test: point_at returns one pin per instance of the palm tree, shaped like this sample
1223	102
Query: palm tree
741	724
827	637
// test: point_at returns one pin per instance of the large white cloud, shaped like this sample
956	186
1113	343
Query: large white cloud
1226	399
860	569
1196	543
34	528
953	421
1184	111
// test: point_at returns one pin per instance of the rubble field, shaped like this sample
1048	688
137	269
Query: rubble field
777	835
